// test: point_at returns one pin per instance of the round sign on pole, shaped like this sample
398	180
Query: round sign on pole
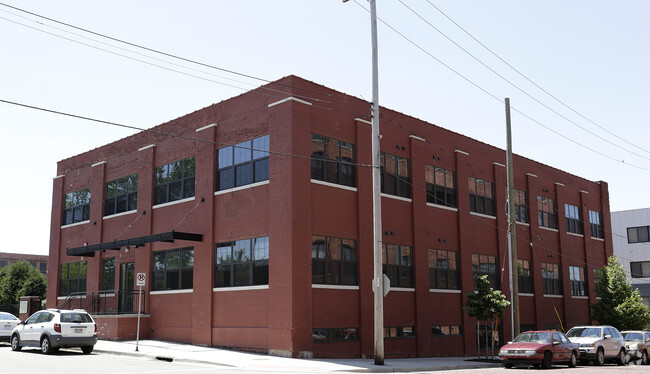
141	279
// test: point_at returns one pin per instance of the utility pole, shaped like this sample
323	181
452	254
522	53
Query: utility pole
512	230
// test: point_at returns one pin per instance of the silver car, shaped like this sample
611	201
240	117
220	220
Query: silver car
599	344
7	324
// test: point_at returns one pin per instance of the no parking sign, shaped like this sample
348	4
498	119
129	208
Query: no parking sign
141	279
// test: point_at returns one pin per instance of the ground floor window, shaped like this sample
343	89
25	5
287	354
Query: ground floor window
399	332
242	263
173	269
398	265
446	330
72	277
344	334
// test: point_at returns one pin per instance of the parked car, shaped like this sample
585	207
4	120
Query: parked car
636	344
539	348
52	329
7	323
599	344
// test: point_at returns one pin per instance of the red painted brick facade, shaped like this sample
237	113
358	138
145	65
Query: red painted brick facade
290	208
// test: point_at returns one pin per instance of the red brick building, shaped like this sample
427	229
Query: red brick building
251	220
37	261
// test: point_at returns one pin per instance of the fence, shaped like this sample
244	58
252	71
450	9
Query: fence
105	302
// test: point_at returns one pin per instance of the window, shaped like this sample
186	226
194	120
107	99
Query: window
76	206
577	280
638	234
121	195
546	212
72	278
524	278
173	269
333	160
3	263
398	265
573	219
42	267
243	163
333	261
486	265
242	263
108	274
521	207
551	278
175	181
443	273
395	175
441	186
481	196
453	330
335	334
399	332
597	230
640	269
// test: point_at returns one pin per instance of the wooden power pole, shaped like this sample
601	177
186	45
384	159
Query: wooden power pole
512	230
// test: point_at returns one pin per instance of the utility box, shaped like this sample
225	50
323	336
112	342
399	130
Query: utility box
28	306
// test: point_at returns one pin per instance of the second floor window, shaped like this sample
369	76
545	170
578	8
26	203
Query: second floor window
551	278
546	212
573	219
577	280
174	181
243	163
640	269
398	264
395	175
333	261
173	269
441	186
596	225
639	234
242	263
486	265
443	271
333	160
524	278
76	207
521	206
121	195
481	196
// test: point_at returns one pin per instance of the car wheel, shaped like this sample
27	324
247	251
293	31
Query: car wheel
573	361
87	349
600	357
15	343
620	360
45	346
644	358
548	360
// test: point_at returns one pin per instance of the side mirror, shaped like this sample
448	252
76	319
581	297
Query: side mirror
607	336
511	342
22	322
556	342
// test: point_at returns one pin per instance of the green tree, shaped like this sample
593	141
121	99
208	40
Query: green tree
21	279
485	303
620	304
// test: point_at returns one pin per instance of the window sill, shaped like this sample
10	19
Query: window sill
174	202
241	288
335	287
396	197
527	294
482	215
402	289
554	296
444	207
599	239
244	187
169	292
548	229
574	234
580	297
335	185
75	224
121	214
523	223
442	290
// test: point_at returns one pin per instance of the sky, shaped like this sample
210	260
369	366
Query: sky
576	74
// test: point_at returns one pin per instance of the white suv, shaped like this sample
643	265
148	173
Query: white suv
599	343
52	329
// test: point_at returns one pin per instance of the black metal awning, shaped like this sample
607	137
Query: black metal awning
169	237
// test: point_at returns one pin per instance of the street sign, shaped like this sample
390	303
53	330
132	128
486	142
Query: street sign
141	279
386	284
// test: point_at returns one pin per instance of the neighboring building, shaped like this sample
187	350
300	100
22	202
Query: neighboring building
631	238
251	220
37	261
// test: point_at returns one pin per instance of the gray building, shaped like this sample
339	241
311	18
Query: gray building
631	238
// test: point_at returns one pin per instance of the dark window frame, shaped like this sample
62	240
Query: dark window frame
440	186
399	332
481	196
399	268
522	210
335	334
242	164
108	274
577	281
396	179
121	195
242	263
573	219
175	181
637	269
596	225
552	279
446	331
638	234
76	206
339	168
334	261
443	270
524	277
486	265
547	212
70	283
172	269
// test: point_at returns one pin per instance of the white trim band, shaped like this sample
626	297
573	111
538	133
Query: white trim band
364	121
334	185
97	164
416	138
461	152
244	187
76	224
531	175
559	184
147	147
120	214
206	127
290	98
498	164
59	176
173	202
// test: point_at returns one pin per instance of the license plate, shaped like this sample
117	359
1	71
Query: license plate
77	331
6	327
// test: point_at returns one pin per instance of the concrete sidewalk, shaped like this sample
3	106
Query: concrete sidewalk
221	357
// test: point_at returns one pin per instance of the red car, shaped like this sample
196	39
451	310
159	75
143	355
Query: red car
540	348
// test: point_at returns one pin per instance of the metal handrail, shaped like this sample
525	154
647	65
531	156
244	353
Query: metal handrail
105	302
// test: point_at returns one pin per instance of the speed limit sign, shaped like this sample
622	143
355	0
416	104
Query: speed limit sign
141	279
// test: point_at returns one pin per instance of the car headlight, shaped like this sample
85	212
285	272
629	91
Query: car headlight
530	352
585	345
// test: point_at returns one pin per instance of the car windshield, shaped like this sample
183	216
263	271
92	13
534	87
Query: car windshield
533	337
584	332
75	317
7	317
633	336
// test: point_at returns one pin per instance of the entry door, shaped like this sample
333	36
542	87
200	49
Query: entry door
127	277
